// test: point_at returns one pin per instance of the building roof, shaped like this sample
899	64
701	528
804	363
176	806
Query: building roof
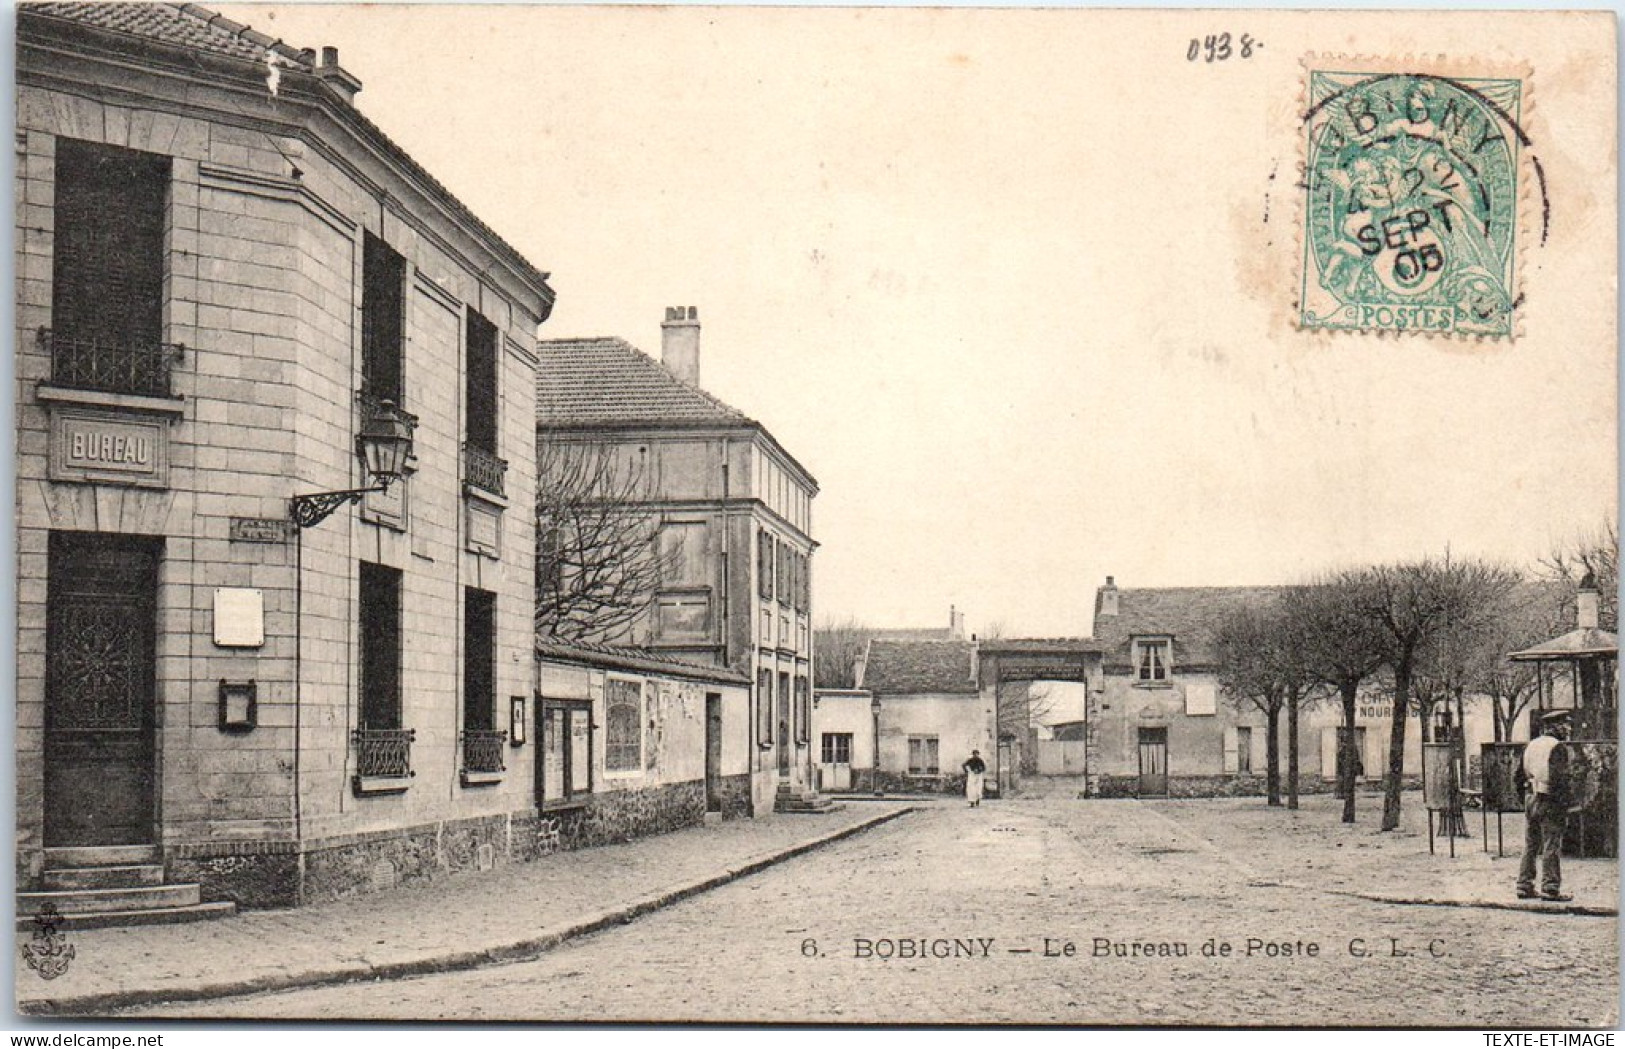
609	382
194	28
1584	643
1189	614
1039	645
901	667
186	25
916	633
631	657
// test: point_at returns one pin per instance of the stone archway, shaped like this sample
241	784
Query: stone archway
1007	661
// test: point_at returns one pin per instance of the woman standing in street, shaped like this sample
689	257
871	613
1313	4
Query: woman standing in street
974	768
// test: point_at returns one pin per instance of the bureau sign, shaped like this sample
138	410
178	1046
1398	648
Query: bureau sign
90	446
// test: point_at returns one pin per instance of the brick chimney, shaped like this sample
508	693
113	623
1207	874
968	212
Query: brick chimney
1107	599
680	343
956	624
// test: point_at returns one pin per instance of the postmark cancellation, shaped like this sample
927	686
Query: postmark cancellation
1414	176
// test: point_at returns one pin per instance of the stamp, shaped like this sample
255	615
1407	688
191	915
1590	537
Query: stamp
1411	217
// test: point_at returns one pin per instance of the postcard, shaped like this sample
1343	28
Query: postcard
811	515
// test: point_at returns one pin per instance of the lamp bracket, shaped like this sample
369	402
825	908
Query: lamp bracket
310	510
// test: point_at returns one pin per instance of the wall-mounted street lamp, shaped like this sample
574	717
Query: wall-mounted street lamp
384	444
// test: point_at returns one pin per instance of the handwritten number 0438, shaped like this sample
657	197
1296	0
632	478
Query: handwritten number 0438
1221	47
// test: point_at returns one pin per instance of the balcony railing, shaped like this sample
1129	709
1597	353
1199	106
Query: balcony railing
383	752
110	365
483	470
483	750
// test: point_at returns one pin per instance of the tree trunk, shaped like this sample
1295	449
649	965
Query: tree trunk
1272	754
1292	750
1345	748
1396	746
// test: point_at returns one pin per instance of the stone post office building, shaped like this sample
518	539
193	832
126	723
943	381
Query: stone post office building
226	273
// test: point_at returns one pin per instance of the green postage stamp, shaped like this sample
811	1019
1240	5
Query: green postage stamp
1411	210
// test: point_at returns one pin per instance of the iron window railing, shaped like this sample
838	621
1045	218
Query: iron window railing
483	750
483	470
383	752
110	365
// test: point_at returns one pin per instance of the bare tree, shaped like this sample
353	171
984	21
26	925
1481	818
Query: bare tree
1535	612
838	645
599	560
1595	553
1245	644
1339	648
1415	606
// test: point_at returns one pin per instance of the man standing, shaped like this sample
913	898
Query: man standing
1545	765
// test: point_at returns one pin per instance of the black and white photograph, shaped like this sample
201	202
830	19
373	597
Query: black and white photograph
845	516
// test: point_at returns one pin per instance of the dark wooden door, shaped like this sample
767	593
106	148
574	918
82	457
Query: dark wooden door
1153	762
784	725
713	752
100	686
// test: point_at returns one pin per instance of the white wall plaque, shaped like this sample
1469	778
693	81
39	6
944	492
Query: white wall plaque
239	617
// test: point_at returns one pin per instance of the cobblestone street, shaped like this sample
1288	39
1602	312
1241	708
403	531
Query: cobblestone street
1058	911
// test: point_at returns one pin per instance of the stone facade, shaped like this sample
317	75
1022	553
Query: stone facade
269	204
622	815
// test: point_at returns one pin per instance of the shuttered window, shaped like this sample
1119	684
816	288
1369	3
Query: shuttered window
107	270
383	321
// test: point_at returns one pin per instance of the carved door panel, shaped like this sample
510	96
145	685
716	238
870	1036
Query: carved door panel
100	689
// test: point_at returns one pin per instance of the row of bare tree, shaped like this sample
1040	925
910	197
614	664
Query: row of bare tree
1421	633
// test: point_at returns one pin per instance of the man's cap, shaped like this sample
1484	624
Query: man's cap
1555	717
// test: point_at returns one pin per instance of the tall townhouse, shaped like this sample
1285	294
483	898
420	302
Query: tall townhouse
249	671
733	510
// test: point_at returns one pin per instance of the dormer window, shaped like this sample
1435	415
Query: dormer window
1151	661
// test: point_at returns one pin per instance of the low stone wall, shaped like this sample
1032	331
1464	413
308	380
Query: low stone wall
1230	786
252	875
284	874
622	815
884	782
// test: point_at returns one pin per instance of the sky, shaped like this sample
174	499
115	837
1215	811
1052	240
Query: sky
1016	286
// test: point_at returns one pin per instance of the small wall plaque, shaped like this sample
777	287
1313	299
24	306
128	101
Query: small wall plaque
259	530
239	617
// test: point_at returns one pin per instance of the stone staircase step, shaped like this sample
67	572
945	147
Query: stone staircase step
100	856
96	901
124	877
155	916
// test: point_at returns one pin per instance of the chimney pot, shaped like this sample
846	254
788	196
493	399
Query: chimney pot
330	56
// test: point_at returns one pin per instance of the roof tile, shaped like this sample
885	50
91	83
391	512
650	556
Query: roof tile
901	667
607	381
184	24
